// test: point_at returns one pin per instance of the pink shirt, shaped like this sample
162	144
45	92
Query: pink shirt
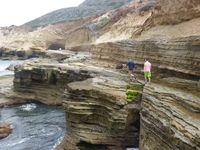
147	66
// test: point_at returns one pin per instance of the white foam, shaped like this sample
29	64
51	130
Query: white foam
28	107
17	142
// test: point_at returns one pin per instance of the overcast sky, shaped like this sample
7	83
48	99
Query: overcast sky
17	12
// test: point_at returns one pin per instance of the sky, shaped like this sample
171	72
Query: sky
17	12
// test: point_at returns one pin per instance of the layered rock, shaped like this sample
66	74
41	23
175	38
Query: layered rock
44	79
97	112
168	56
9	54
44	83
170	118
99	116
38	38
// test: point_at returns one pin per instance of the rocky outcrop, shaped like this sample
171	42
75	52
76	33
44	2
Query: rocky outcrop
173	12
97	113
170	108
9	54
44	83
84	38
44	80
176	57
38	38
170	118
99	116
5	130
93	97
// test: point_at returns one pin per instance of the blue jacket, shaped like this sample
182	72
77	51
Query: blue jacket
131	65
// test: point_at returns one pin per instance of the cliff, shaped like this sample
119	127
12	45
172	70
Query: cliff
170	118
99	116
93	97
138	20
23	40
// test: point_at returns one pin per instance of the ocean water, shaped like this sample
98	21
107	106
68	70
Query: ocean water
5	64
35	127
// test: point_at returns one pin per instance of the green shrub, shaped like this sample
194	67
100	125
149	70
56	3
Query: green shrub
131	94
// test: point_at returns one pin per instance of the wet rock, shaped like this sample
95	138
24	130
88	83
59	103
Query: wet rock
5	130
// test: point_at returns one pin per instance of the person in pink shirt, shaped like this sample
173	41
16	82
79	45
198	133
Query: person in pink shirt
147	71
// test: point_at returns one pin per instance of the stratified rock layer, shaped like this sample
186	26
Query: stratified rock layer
165	32
97	112
171	56
99	117
170	119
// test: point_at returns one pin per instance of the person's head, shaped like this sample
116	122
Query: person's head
145	60
129	59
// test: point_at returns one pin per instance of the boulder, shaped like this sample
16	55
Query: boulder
5	130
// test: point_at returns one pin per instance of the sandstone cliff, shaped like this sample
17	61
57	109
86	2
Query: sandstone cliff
140	20
97	112
39	38
170	118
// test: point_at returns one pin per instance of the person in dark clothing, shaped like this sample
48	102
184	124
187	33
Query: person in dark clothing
131	67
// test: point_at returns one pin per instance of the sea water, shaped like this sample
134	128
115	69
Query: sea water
4	64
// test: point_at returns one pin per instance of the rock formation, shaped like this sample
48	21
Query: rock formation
93	97
93	93
178	57
99	117
29	41
170	118
5	130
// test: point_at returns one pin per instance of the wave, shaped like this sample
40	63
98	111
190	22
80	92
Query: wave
28	107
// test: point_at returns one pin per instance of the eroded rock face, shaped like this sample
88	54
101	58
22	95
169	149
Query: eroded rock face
170	118
172	12
45	83
99	116
168	56
9	54
97	112
30	39
45	79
